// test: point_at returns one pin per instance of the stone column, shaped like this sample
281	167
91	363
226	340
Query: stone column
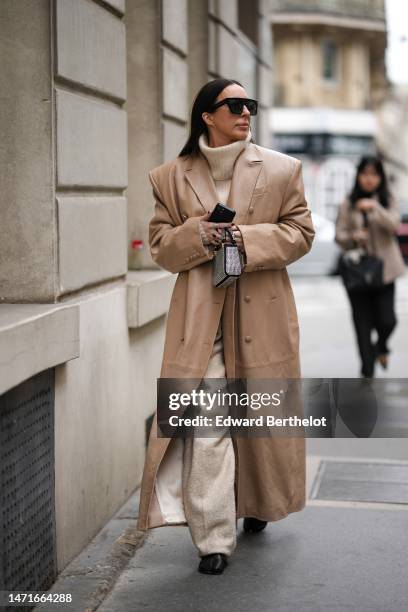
28	258
157	105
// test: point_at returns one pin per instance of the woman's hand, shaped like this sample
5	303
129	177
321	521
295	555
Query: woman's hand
365	204
360	237
236	232
211	231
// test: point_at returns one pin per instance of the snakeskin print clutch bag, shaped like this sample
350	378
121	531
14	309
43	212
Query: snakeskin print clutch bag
227	263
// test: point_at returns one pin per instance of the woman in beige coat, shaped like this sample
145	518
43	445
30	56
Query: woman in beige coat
248	329
369	218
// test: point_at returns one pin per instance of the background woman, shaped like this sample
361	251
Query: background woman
369	218
246	330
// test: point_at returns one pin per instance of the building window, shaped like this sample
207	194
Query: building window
329	54
248	19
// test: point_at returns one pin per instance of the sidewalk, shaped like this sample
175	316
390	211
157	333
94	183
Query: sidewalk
327	341
319	559
337	554
332	556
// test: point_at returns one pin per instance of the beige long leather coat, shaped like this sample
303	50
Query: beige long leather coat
259	319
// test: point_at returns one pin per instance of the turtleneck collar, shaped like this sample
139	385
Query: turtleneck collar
222	159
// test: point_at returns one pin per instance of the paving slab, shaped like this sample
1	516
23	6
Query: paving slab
362	482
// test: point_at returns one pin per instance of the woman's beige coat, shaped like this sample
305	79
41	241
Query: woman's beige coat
259	319
383	224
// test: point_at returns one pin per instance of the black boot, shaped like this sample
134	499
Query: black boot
213	564
253	525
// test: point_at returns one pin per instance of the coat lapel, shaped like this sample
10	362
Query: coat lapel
198	174
246	172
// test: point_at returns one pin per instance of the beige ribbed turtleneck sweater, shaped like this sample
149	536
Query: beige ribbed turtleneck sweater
221	161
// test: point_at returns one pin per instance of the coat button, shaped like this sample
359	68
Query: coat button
248	338
247	298
184	216
251	210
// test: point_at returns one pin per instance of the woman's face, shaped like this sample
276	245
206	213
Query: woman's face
369	179
223	126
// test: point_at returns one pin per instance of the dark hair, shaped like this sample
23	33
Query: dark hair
203	103
382	191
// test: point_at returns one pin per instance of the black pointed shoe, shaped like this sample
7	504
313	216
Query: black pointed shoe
213	564
253	525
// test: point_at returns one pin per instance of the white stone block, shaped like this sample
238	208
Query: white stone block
91	46
265	85
148	295
265	47
212	46
92	240
226	11
91	142
175	23
175	85
263	129
174	138
228	49
212	7
35	337
246	70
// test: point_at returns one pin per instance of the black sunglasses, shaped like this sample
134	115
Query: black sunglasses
236	105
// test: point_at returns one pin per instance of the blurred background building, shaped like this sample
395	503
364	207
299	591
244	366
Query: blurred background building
392	141
329	59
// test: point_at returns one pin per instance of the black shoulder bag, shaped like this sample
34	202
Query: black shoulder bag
359	270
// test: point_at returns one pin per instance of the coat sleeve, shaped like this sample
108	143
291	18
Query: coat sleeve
276	245
344	232
173	246
387	218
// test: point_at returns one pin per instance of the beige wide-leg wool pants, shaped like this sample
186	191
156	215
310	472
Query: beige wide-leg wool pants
195	482
209	473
